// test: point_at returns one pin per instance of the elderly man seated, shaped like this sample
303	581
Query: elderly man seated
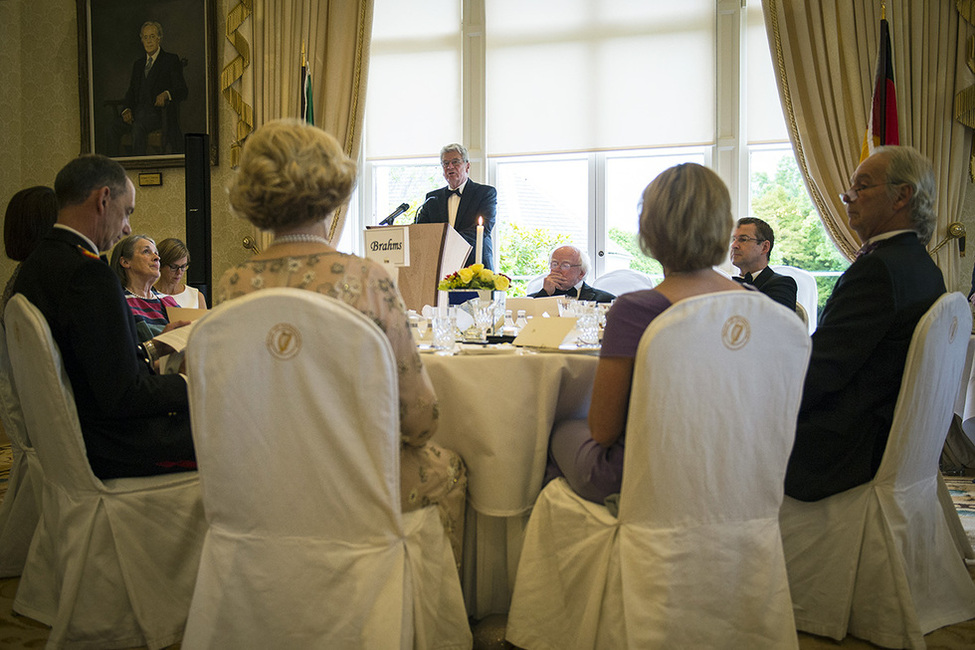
570	266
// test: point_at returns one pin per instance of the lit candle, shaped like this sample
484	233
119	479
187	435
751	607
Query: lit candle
479	245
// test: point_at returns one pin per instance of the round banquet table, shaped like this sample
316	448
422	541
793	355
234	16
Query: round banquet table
497	411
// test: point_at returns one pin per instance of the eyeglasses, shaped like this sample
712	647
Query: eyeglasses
456	162
851	194
565	266
178	267
744	239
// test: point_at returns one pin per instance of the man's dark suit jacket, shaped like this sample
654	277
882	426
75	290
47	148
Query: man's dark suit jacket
130	418
858	355
166	74
476	201
780	288
585	293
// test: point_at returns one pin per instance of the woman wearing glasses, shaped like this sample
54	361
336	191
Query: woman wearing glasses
174	260
685	224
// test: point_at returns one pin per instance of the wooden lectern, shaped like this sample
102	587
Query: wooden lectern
436	250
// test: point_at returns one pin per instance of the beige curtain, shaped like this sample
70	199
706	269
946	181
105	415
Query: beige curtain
335	35
825	57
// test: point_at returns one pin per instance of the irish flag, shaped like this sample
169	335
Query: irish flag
307	106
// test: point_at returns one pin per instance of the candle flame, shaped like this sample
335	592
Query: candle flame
480	221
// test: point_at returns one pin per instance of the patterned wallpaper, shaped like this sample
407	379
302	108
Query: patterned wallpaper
40	127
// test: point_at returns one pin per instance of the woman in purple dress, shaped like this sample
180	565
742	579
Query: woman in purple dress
685	224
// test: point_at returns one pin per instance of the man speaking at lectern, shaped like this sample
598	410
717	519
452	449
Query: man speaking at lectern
462	202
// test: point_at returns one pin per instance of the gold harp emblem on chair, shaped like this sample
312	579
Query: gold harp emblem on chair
283	341
736	333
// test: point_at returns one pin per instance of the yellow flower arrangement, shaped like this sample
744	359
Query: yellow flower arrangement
475	277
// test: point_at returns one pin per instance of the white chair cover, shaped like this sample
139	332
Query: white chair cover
534	284
295	411
623	281
125	551
807	294
695	558
878	561
21	504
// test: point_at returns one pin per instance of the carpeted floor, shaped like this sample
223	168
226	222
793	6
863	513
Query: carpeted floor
21	633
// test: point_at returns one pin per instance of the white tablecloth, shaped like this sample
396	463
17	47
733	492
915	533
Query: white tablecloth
497	412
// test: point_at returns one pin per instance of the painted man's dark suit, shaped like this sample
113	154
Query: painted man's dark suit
858	355
780	288
166	75
476	201
130	418
585	293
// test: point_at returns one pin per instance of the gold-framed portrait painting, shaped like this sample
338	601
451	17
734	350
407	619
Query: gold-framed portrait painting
147	76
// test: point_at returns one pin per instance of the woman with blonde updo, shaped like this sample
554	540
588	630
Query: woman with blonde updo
291	180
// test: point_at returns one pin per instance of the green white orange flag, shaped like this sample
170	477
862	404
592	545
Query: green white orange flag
307	106
882	123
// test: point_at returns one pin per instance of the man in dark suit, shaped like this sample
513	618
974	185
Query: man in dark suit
134	422
751	245
860	347
569	267
462	202
156	86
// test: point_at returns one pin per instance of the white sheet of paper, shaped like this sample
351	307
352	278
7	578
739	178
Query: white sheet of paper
177	338
535	307
545	332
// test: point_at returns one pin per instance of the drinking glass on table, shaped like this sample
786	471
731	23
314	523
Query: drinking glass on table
442	327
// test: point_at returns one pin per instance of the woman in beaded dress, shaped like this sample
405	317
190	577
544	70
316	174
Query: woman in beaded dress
291	180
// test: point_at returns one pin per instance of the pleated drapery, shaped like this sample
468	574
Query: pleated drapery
335	36
825	57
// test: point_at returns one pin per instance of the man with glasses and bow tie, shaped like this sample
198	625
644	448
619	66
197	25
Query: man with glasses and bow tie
156	86
751	245
462	203
860	346
569	267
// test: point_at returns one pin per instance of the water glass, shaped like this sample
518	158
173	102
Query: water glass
443	332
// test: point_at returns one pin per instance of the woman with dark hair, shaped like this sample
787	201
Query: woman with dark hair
30	215
685	224
136	263
174	260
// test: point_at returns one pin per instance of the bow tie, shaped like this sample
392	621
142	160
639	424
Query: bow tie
745	279
866	249
571	293
450	191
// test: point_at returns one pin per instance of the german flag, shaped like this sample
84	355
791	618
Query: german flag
882	125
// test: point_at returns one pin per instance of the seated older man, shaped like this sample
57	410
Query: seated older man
570	266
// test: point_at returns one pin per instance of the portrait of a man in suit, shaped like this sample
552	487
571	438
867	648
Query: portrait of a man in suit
151	103
462	202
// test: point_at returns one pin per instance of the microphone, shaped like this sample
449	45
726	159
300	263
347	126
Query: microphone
403	207
420	207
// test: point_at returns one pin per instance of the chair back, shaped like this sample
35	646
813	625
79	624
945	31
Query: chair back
807	293
623	281
929	385
47	398
534	284
708	442
22	501
294	393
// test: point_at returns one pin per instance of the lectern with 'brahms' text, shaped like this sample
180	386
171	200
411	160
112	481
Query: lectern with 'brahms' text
435	250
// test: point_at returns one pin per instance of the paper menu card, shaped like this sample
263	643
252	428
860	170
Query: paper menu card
534	307
545	332
183	313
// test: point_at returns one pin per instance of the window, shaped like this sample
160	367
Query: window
574	107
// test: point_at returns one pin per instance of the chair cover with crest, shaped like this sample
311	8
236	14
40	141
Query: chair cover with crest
125	551
695	557
295	411
21	503
878	561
